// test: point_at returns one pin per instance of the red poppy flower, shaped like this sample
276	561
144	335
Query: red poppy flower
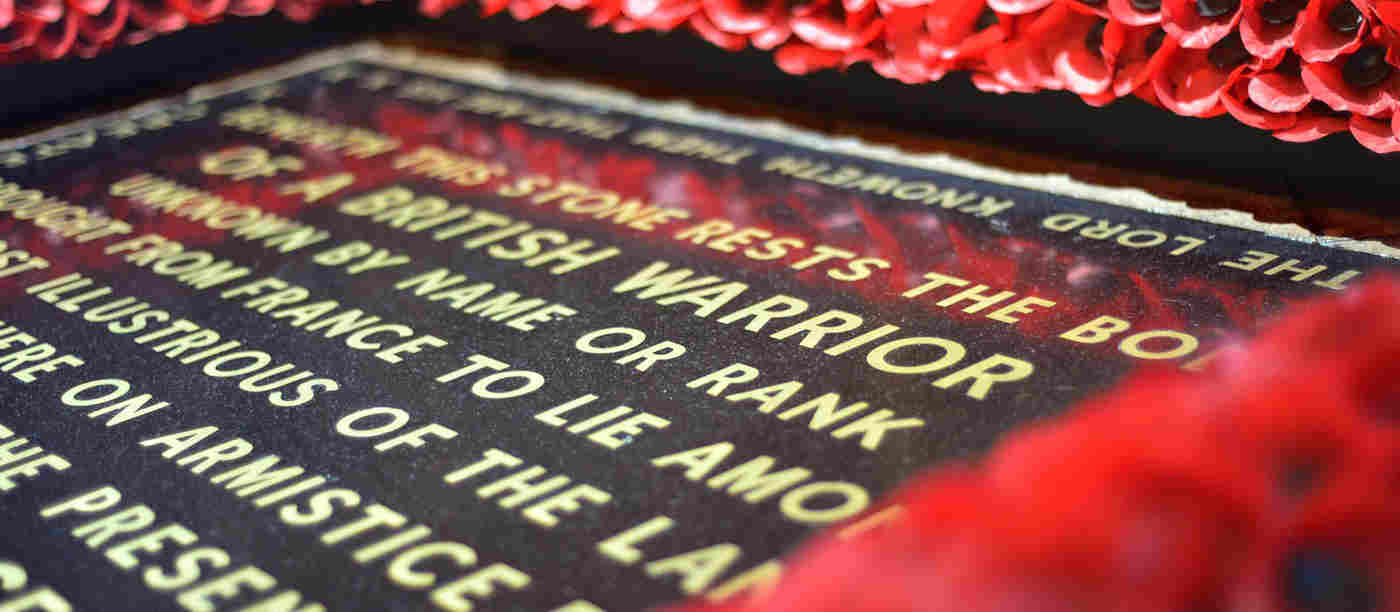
106	25
952	30
1388	11
154	16
662	15
1025	63
1340	547
1240	106
1195	63
1144	486
1198	24
769	38
603	12
827	24
1270	26
1019	66
1136	12
1083	56
1093	7
523	10
801	58
988	83
1018	7
625	25
885	65
199	11
298	10
1192	81
88	7
492	7
907	67
741	17
1249	487
1281	89
436	8
910	64
252	8
1329	28
904	35
1144	51
764	22
1362	82
47	11
1100	99
20	35
1375	135
717	37
56	38
1314	122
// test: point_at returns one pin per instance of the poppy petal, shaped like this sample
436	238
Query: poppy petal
1326	83
716	36
1128	12
88	7
1311	127
1265	39
1318	41
47	11
1279	93
1017	7
105	25
801	58
1190	85
1374	135
253	8
56	39
734	17
21	34
1181	19
1241	108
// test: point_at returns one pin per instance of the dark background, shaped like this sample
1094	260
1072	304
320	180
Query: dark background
1129	135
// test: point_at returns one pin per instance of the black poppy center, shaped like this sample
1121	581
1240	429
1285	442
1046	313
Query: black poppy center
1093	2
1280	12
1366	67
1146	6
1345	18
1210	9
1093	39
1154	41
986	19
1228	53
1317	580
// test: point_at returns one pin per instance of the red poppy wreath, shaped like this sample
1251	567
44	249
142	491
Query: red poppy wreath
1249	487
1301	69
